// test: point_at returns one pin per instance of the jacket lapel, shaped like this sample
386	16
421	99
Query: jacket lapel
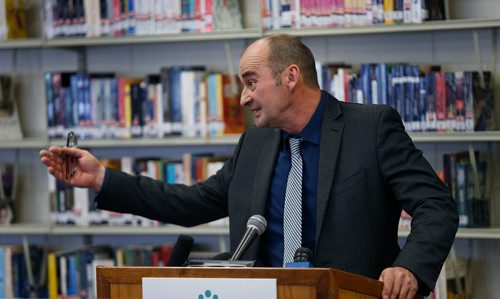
331	137
264	172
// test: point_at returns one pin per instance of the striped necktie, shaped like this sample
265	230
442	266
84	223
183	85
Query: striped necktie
292	213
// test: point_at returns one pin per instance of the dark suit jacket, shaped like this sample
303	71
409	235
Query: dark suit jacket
368	170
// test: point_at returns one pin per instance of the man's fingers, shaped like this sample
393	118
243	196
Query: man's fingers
398	283
388	281
411	287
72	151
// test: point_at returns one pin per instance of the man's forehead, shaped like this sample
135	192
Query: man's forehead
253	59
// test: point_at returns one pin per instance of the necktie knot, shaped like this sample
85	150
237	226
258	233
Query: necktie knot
295	145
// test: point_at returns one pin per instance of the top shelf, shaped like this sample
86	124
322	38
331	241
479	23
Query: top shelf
467	24
149	39
251	33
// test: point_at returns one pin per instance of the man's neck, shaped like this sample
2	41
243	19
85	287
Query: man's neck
304	105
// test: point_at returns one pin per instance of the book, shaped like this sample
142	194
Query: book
483	101
10	125
8	192
15	13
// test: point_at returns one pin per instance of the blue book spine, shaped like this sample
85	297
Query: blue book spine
73	108
450	101
415	98
72	276
382	83
131	18
390	91
408	97
175	100
398	80
366	83
430	112
422	102
468	97
114	99
49	95
461	193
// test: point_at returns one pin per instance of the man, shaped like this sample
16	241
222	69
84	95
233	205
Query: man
359	168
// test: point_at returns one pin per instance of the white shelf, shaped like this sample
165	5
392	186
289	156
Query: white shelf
136	230
469	233
491	136
160	38
24	229
21	43
468	24
26	143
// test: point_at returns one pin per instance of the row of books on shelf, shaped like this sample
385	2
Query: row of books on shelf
468	175
23	272
72	273
94	18
426	98
30	271
180	100
278	14
75	206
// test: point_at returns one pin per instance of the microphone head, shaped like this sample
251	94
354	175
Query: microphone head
181	250
303	254
258	222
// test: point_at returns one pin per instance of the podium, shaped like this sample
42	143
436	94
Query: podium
292	283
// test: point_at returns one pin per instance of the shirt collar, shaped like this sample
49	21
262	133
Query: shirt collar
312	131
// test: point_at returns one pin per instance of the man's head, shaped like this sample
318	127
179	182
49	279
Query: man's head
278	75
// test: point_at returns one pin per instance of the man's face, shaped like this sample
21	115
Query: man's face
267	99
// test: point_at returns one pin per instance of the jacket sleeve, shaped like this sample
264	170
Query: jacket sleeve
170	203
421	193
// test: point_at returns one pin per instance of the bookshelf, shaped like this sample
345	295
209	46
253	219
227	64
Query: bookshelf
448	43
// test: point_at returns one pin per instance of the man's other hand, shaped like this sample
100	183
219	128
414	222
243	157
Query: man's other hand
399	283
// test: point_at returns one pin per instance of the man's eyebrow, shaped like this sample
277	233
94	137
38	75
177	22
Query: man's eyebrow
247	74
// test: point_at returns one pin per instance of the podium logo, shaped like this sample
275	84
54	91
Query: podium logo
208	295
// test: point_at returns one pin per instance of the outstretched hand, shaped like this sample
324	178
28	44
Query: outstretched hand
398	283
87	173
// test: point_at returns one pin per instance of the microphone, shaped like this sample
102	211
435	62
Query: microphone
181	250
256	225
303	258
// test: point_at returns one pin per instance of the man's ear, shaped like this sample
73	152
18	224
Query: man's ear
293	76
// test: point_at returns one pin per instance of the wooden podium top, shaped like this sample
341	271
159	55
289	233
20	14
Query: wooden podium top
293	283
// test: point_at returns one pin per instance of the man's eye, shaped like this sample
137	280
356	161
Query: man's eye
251	83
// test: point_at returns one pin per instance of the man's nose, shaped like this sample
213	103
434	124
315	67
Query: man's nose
245	98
